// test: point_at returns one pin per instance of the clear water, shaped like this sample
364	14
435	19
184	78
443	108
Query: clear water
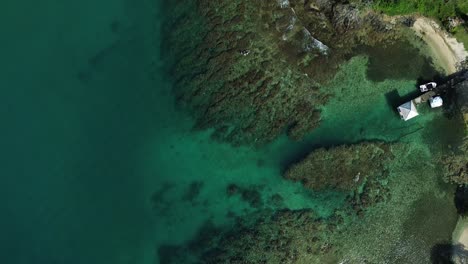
98	164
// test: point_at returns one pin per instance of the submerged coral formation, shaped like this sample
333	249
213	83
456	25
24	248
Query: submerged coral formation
455	164
343	167
252	69
462	98
401	229
360	169
284	236
250	194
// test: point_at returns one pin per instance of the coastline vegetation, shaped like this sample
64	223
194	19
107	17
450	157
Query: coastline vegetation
439	9
451	13
461	34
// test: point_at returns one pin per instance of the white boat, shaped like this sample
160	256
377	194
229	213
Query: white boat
427	86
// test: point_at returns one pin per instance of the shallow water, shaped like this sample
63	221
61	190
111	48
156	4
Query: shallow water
100	167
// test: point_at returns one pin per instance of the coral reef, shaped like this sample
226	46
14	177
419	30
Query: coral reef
252	69
359	169
343	167
462	97
455	164
284	236
401	229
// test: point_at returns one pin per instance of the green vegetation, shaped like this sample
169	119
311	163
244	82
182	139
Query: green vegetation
461	34
440	9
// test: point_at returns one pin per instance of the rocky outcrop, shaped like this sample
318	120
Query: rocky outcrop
251	69
357	169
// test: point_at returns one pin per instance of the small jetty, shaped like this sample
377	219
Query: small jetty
432	93
424	97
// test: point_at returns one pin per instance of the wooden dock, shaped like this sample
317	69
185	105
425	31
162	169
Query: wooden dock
448	89
424	97
441	89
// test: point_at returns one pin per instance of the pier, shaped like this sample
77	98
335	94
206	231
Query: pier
424	97
452	82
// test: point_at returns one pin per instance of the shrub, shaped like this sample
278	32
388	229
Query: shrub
439	9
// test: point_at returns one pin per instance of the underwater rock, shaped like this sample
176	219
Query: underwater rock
358	169
232	189
249	194
462	99
159	200
455	164
343	168
251	69
285	236
276	200
193	191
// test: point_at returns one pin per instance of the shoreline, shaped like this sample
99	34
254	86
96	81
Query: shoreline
460	233
446	51
459	238
448	54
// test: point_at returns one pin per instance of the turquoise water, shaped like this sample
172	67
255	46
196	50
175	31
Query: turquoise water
98	165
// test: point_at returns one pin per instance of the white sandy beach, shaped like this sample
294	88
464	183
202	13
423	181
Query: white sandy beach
446	51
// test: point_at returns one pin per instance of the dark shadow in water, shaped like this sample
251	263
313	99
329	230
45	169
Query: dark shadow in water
444	133
461	200
393	99
203	245
447	253
168	253
441	254
397	61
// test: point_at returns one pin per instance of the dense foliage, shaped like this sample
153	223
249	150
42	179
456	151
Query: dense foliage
440	9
